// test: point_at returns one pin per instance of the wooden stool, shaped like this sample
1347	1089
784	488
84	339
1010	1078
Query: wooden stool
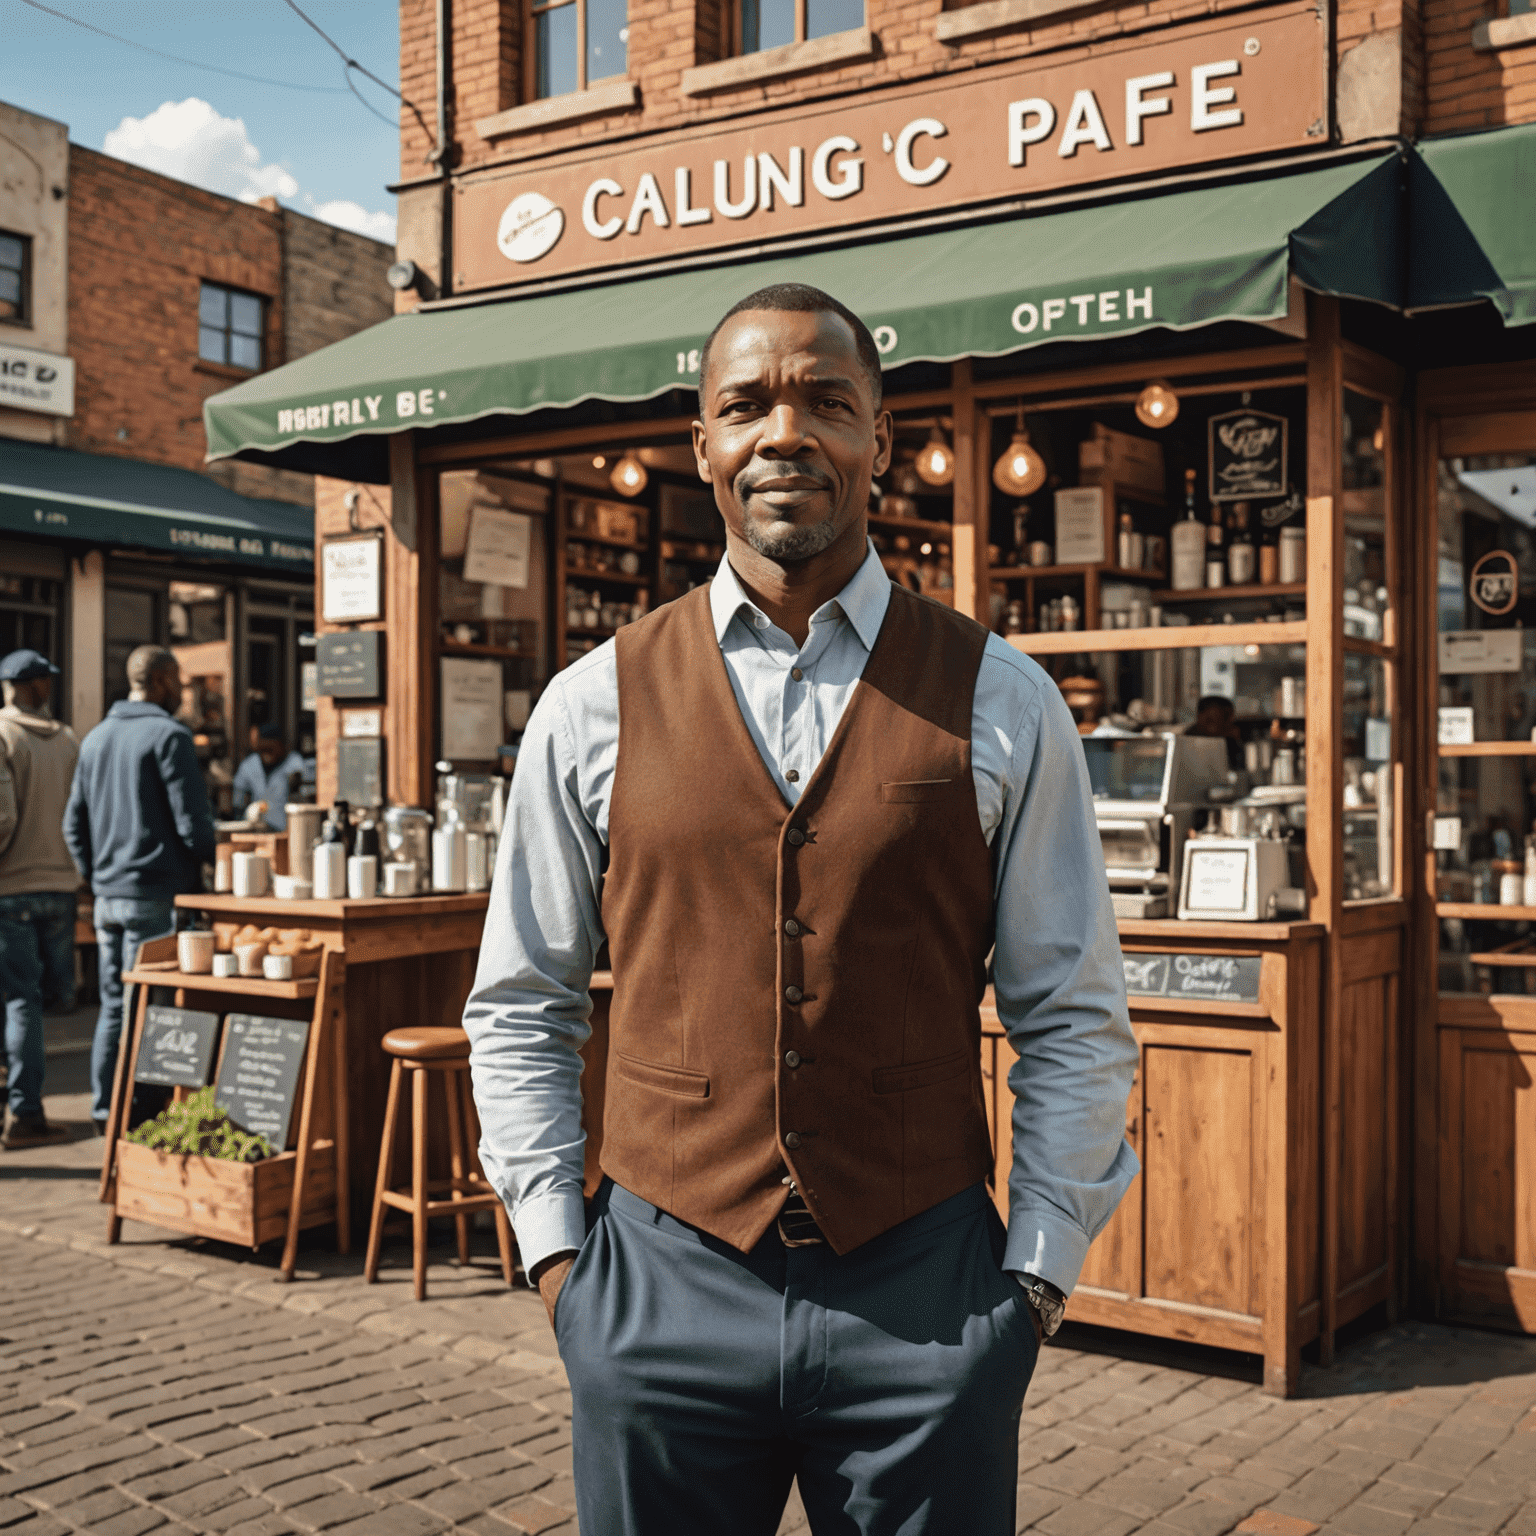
420	1052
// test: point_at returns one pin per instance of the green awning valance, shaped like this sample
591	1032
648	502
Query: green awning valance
1175	259
123	502
1473	222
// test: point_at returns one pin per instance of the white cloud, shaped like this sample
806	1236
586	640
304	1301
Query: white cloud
192	142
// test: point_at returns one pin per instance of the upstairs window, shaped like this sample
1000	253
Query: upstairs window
15	278
229	327
774	23
576	43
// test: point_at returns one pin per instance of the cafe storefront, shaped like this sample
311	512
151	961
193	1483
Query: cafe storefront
1153	350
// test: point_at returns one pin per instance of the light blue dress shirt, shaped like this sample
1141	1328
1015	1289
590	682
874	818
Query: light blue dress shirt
1059	982
253	781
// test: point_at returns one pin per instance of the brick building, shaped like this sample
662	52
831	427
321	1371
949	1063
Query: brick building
145	295
1267	267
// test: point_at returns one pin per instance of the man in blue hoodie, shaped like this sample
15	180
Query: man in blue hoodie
139	829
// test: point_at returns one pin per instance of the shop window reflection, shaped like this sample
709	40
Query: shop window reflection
1370	788
1364	474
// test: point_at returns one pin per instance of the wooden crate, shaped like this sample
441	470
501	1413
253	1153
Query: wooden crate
210	1197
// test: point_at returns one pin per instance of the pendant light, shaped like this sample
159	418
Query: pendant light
1157	405
1020	471
936	460
629	477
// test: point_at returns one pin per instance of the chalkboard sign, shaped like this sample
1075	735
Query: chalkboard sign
360	770
348	664
176	1048
1215	978
260	1073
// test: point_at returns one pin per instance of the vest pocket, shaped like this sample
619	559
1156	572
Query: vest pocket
914	790
921	1074
690	1085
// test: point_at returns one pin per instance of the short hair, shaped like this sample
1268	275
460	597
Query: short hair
802	299
147	662
1216	701
271	731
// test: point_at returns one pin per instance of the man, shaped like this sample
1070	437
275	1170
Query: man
139	828
270	774
37	883
1216	715
796	804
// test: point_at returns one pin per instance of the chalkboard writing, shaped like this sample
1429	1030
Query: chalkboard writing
1218	978
260	1073
348	664
177	1047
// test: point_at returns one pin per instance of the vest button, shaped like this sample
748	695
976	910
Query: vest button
792	775
791	1058
793	994
795	836
797	674
792	928
792	1140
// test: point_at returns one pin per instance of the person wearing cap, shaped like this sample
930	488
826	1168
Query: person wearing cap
268	775
38	881
139	829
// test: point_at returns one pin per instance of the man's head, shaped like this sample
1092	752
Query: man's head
269	744
154	676
791	430
26	679
1214	716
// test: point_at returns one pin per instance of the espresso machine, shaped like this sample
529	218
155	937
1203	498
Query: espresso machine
1146	790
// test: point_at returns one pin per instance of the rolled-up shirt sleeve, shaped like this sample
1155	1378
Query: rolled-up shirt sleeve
527	1017
1060	989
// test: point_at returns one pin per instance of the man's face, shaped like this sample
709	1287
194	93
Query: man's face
790	437
1213	720
165	688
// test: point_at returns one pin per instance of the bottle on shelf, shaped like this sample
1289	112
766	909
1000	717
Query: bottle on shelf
1215	549
1187	542
1269	556
1131	545
1242	557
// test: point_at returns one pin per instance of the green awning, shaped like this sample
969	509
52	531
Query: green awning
129	504
1175	259
1473	230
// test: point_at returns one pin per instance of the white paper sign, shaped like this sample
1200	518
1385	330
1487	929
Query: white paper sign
37	381
1080	525
1447	838
1218	879
498	547
351	580
1455	725
471	709
1480	650
362	722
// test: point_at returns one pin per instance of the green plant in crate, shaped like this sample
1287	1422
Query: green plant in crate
198	1125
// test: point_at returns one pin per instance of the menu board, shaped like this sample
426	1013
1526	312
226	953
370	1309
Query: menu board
259	1075
1216	978
347	664
176	1048
352	579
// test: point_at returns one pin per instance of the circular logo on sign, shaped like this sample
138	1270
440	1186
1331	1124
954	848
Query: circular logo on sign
1495	582
529	228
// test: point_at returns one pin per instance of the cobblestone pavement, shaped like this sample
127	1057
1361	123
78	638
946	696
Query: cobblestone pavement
173	1385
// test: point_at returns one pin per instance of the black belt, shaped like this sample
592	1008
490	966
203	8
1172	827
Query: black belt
797	1227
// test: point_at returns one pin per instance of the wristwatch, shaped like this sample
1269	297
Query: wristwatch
1049	1303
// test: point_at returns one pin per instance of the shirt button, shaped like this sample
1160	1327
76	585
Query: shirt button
791	1058
792	1140
792	928
797	674
793	994
792	775
795	836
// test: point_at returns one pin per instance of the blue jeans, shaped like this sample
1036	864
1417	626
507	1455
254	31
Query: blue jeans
37	956
122	924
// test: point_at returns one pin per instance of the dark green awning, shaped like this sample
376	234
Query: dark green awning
1473	222
123	502
1176	260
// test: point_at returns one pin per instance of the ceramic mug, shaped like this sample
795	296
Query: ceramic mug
251	873
249	957
277	967
225	965
194	951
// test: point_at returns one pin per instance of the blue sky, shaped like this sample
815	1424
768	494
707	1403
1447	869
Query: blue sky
316	150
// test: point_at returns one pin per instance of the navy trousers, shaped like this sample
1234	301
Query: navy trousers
703	1380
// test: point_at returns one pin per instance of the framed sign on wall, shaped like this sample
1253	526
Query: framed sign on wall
352	579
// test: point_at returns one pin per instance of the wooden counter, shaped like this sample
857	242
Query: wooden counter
410	960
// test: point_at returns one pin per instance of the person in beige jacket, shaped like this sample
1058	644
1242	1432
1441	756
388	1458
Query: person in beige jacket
38	881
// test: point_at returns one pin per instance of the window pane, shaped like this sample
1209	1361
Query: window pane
555	41
607	33
1367	598
210	345
767	24
823	17
10	287
1369	834
245	352
10	252
213	307
245	314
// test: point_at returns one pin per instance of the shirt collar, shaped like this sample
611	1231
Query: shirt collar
863	601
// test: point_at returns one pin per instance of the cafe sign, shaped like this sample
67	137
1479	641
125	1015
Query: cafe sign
1218	91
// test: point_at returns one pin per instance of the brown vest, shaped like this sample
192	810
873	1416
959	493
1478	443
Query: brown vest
796	985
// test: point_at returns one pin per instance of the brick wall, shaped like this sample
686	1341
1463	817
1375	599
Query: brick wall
1465	88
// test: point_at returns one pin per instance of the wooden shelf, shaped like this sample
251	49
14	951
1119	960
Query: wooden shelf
1485	911
581	536
913	525
297	990
1220	594
1112	572
469	648
1169	637
1488	749
581	573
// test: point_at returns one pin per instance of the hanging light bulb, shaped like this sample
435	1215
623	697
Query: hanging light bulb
936	460
1157	405
629	476
1021	470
